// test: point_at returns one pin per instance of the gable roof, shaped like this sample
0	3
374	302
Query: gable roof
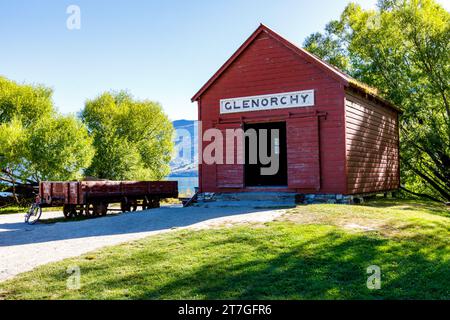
334	72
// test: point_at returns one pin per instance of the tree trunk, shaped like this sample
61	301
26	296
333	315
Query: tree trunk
422	195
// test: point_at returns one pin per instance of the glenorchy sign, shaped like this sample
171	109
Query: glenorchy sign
268	102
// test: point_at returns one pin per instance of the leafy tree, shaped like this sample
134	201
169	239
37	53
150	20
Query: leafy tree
12	151
58	148
329	47
35	141
132	138
403	49
24	102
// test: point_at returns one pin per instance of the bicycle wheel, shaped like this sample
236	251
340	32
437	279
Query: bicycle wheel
33	214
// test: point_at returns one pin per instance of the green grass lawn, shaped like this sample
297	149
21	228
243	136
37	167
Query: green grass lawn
18	209
13	209
313	252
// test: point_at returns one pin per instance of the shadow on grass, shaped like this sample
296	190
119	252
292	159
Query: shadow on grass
280	260
410	205
331	266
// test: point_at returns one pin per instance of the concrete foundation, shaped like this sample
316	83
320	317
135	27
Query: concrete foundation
329	198
272	199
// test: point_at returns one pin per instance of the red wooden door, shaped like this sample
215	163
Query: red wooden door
230	174
303	153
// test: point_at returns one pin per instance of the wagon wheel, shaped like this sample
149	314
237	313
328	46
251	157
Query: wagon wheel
69	211
104	209
145	205
79	211
95	210
100	209
134	205
154	203
125	206
66	211
89	210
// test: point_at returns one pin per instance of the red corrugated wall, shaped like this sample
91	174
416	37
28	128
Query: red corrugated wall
265	67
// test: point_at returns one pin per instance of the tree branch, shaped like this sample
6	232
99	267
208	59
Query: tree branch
422	195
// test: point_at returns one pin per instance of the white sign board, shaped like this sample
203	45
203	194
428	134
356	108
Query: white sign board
268	102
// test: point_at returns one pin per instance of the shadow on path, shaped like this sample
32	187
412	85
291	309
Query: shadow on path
19	233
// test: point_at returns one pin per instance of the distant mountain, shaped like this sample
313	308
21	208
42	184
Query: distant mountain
184	163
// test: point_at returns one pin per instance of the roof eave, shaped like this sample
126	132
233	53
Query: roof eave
263	28
344	79
228	62
377	97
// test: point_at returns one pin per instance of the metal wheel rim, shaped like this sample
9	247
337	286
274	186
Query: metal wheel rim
89	210
33	215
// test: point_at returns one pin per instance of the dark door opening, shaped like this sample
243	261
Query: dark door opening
257	171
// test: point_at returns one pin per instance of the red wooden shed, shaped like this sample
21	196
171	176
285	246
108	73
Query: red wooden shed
336	135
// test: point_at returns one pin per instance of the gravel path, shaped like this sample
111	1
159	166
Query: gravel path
24	247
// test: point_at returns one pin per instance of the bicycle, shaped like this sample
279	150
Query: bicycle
34	213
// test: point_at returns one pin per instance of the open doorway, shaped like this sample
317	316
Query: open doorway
276	149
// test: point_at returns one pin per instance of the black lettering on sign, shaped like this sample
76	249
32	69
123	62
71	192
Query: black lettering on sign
269	101
294	99
265	102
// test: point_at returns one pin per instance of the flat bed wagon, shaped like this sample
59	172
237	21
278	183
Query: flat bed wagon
92	198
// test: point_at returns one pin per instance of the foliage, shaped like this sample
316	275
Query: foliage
313	252
35	141
27	103
328	47
132	138
59	148
403	49
13	137
12	152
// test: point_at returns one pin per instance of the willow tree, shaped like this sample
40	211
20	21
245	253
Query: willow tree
132	138
403	49
36	142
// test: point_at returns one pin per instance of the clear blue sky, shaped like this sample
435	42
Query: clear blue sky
162	50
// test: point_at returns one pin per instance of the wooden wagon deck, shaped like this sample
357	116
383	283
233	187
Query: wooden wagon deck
93	197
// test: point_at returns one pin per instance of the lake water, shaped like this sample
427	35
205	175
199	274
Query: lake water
186	185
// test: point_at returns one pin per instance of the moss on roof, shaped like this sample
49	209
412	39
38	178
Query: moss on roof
365	87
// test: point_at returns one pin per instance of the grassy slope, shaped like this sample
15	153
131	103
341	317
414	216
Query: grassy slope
312	252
